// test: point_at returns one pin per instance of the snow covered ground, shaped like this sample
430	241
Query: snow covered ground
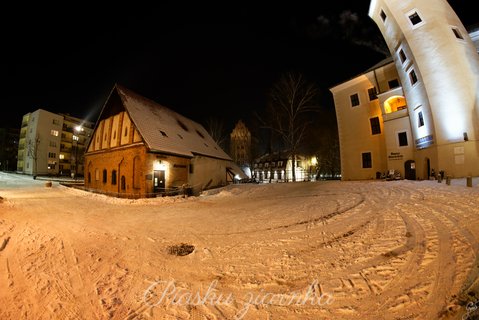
311	250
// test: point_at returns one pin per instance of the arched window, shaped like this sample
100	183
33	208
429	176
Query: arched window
123	183
89	177
136	172
113	177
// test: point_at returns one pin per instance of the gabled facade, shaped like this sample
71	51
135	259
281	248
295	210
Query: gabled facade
140	149
418	110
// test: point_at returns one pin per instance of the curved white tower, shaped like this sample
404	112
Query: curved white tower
438	66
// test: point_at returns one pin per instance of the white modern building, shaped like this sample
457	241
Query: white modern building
52	144
418	110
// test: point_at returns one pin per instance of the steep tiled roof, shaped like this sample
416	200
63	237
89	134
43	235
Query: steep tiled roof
164	130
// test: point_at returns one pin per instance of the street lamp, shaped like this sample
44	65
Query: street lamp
76	138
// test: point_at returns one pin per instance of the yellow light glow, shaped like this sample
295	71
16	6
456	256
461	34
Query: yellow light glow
158	165
314	161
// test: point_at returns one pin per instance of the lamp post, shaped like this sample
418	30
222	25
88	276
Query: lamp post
76	138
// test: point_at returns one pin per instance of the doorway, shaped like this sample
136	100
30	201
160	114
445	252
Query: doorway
159	181
410	170
427	167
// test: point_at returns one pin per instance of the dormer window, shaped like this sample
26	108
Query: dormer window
163	133
383	15
182	125
415	18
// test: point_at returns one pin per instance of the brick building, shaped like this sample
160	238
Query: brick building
140	148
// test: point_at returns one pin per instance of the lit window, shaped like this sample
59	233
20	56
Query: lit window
75	138
375	126
372	94
415	18
54	133
457	33
420	121
367	160
413	77
62	156
402	137
354	100
383	15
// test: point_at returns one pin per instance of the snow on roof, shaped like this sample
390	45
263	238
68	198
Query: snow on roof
164	130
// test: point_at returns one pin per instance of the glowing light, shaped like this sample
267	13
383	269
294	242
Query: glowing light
158	165
78	128
314	161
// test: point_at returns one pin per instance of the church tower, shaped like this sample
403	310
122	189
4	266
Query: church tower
240	144
438	67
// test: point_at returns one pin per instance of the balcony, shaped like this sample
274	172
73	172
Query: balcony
400	113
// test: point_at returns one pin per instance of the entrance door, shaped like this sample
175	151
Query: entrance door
159	181
427	168
410	170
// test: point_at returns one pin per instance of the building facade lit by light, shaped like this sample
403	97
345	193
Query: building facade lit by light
50	145
416	112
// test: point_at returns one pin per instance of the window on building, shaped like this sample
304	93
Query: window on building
75	138
113	177
136	172
354	100
53	144
180	136
123	183
383	15
105	176
280	163
375	126
367	160
52	155
393	83
373	95
402	137
420	119
56	122
163	133
97	174
412	77
402	56
114	135
415	18
54	133
182	125
126	131
89	177
457	33
192	168
62	156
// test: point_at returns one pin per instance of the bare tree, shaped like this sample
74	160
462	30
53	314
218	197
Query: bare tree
32	151
216	129
292	99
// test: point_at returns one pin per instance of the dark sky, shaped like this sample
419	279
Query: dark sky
199	60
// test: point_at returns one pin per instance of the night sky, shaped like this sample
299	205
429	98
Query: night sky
199	60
